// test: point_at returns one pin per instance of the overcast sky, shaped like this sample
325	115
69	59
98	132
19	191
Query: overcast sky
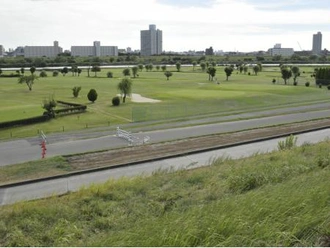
229	25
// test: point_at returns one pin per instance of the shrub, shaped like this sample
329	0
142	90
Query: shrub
75	91
274	80
55	73
110	74
288	143
92	95
295	83
307	84
43	74
116	101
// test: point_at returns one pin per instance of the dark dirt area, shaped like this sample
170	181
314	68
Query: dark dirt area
159	150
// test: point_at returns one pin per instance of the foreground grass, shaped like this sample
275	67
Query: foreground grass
276	199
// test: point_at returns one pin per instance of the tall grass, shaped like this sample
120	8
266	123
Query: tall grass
276	199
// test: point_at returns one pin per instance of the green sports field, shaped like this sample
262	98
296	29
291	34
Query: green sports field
187	94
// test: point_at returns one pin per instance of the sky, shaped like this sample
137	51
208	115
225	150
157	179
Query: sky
228	25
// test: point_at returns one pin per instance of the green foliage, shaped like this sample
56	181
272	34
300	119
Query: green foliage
286	73
127	72
168	74
256	69
228	70
322	73
43	74
135	71
95	69
116	101
295	72
64	70
28	80
178	66
163	68
49	105
211	71
288	143
76	90
55	73
125	87
32	70
109	74
307	84
92	95
140	66
274	81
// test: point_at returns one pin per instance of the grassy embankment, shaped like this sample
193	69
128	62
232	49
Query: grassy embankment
276	199
188	94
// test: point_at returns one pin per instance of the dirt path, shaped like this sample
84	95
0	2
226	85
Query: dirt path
151	151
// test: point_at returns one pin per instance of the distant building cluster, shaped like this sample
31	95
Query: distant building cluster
151	41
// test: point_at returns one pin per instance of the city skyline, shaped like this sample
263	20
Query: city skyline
241	25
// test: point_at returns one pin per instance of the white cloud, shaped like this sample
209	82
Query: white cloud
225	24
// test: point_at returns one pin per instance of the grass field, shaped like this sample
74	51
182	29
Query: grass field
276	199
187	94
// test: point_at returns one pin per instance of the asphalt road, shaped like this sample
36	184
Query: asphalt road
73	183
23	150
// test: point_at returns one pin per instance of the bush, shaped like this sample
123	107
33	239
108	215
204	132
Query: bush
295	83
116	101
92	95
328	87
274	80
110	74
307	84
43	74
288	143
75	91
55	73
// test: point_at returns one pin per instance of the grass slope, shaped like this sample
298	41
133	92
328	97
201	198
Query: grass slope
276	199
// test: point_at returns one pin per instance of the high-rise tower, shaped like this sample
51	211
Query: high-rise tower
317	43
151	41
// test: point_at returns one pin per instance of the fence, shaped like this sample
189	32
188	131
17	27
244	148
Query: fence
130	138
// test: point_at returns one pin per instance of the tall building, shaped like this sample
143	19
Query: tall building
151	41
42	51
2	51
209	51
94	51
317	43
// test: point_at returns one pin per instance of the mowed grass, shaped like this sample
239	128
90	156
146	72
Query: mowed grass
187	94
276	199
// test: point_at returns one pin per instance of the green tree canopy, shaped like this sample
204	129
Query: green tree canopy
286	73
168	74
92	95
28	80
228	70
125	87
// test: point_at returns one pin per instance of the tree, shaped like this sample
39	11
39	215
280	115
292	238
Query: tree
256	69
125	87
150	66
296	73
163	68
178	66
168	74
29	80
96	69
228	70
140	67
76	90
157	67
79	71
194	63
135	71
92	95
49	106
245	69
0	71
64	71
43	74
127	72
32	69
211	71
241	68
22	70
203	66
109	74
286	73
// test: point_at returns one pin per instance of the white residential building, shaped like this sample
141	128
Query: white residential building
42	51
151	41
278	50
94	51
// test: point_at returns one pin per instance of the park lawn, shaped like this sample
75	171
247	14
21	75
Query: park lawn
186	94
